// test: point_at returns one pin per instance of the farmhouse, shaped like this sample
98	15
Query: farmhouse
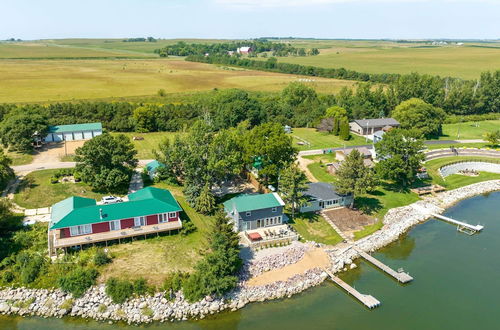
152	168
73	132
78	221
244	50
322	195
370	126
248	212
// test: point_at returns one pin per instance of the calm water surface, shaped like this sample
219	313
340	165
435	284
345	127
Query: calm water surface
457	286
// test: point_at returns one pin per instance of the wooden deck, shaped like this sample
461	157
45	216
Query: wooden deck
367	300
401	277
118	234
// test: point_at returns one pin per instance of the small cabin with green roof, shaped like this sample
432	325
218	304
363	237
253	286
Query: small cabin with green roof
253	211
73	132
78	221
152	168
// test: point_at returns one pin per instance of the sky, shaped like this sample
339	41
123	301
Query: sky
226	19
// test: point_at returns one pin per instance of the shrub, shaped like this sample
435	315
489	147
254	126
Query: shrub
102	308
30	266
119	290
8	276
187	228
67	304
174	281
162	92
78	281
140	286
54	180
146	311
101	258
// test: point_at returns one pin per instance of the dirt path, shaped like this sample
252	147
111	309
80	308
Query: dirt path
316	258
303	162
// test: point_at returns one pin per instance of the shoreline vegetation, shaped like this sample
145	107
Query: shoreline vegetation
145	309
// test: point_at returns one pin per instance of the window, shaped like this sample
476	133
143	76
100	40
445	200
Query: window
162	217
139	221
249	214
274	209
115	225
279	219
80	230
172	215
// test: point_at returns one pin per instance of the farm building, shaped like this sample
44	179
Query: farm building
78	221
73	132
370	126
244	50
249	212
152	168
322	195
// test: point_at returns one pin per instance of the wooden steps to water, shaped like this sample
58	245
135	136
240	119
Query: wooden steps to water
400	276
367	300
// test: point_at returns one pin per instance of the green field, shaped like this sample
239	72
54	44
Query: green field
469	130
391	57
320	140
65	80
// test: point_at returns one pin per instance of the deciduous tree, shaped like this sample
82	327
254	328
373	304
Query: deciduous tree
353	177
417	114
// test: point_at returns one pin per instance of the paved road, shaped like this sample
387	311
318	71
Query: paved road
42	166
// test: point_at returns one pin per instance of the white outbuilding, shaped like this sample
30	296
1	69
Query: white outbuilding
73	132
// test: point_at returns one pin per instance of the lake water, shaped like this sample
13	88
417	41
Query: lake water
456	286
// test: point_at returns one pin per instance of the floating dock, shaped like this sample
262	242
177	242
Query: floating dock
400	276
367	300
461	226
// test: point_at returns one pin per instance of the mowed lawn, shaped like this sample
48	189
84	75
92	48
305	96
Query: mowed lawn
36	190
150	142
469	130
313	227
76	79
321	140
382	57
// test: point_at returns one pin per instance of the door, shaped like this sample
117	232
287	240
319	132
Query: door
139	221
68	136
87	135
78	135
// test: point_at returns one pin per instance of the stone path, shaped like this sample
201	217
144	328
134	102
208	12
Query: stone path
335	227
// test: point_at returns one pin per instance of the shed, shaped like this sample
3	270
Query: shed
152	168
73	132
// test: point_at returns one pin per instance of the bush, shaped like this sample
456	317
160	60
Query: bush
187	228
78	281
119	290
67	304
53	180
162	92
8	276
30	266
174	281
140	286
101	258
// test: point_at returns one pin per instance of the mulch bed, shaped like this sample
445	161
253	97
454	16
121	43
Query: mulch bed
349	220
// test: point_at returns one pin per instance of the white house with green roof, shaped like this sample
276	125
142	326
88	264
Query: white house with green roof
73	132
253	211
78	221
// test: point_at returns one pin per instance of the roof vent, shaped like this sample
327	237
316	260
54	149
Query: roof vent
100	214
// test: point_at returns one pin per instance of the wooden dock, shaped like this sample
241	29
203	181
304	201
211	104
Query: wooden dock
367	300
461	226
400	276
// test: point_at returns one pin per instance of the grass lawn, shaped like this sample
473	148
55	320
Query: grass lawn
461	145
456	181
313	227
325	158
20	158
151	141
321	140
320	173
469	130
36	191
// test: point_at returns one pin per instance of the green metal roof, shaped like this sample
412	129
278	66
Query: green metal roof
75	128
153	166
246	202
75	211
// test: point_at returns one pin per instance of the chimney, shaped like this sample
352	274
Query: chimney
100	213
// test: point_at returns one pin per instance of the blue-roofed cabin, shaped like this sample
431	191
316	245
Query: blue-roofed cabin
322	195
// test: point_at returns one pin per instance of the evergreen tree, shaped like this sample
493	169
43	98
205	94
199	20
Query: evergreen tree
6	173
205	203
353	177
292	184
344	129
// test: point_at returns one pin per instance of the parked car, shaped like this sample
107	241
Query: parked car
111	200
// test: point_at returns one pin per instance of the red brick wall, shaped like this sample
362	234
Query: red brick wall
127	223
100	227
152	219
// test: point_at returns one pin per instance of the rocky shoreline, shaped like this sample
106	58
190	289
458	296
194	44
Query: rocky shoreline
96	305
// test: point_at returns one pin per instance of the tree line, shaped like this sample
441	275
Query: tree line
182	48
456	96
